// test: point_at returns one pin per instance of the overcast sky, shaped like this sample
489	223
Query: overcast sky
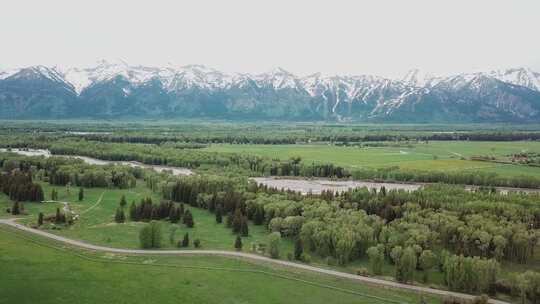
303	36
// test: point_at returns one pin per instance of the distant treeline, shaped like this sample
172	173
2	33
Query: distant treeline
191	140
64	171
256	165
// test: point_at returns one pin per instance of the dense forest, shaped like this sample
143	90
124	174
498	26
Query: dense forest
464	234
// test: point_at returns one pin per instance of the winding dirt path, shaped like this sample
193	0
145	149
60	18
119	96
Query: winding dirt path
254	257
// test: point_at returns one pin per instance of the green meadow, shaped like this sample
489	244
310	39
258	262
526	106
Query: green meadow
433	155
35	270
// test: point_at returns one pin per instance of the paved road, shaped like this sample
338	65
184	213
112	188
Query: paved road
368	280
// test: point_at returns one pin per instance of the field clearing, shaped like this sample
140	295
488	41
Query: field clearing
434	155
96	224
31	268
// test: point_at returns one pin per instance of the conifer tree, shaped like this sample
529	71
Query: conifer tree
15	210
219	216
229	220
188	219
238	243
123	201
40	219
173	215
185	241
58	216
258	217
244	230
237	221
119	217
133	213
81	194
298	248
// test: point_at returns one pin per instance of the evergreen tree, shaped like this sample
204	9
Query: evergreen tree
81	194
258	217
172	233
244	230
181	209
185	241
173	215
54	195
15	210
298	249
237	221
219	216
188	219
238	243
229	221
133	213
123	201
58	217
119	217
40	219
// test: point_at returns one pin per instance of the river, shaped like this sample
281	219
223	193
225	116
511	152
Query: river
315	186
95	161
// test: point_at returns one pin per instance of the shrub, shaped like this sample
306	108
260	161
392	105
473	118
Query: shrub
362	271
273	244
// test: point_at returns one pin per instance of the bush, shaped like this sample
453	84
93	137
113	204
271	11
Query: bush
197	243
238	243
306	258
273	244
330	261
185	242
289	256
150	235
362	271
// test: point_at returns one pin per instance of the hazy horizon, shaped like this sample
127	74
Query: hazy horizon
385	38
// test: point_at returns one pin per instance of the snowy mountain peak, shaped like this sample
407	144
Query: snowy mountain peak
519	76
177	78
418	78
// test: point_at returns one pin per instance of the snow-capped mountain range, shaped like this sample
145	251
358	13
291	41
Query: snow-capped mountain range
117	89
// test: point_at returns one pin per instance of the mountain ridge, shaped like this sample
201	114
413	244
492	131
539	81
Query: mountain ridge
109	90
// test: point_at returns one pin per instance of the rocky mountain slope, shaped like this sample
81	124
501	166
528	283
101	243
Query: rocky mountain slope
119	90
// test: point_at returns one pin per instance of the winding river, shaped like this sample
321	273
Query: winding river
315	186
95	161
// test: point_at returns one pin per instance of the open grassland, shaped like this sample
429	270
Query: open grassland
96	223
39	271
434	155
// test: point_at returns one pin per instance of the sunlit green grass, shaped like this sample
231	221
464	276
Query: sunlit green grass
434	155
35	273
96	222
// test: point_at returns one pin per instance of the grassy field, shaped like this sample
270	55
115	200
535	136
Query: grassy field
435	155
37	271
96	224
